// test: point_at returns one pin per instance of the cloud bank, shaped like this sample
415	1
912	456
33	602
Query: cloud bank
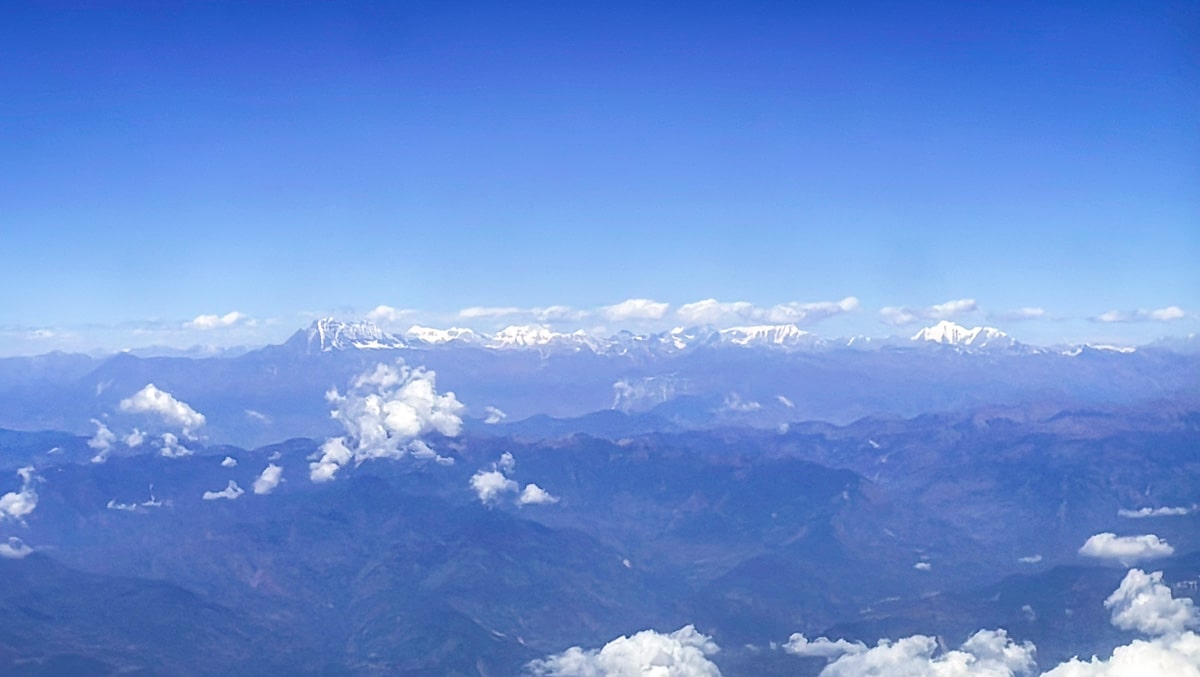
1126	549
903	315
1167	314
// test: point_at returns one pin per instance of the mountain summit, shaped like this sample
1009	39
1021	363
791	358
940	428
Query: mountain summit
328	334
951	334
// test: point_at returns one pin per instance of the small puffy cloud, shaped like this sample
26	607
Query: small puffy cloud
423	452
1030	559
229	462
823	647
1142	513
1126	549
683	653
987	653
268	479
135	438
15	505
720	313
535	495
102	442
507	463
14	548
1142	315
494	415
231	492
169	447
151	400
389	315
385	412
735	403
1144	604
923	566
206	322
491	485
635	309
902	315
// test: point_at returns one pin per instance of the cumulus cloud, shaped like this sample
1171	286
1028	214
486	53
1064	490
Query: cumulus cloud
15	505
683	653
423	452
169	447
535	495
385	412
901	315
721	313
1156	512
987	653
491	485
635	309
1142	315
1126	549
14	548
102	442
206	322
231	492
135	438
270	478
923	566
494	415
823	647
229	462
1144	603
151	400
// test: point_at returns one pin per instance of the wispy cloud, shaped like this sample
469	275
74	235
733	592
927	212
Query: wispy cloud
1022	314
902	315
634	310
1167	314
207	322
388	315
727	313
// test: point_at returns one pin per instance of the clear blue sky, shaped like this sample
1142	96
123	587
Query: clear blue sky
165	160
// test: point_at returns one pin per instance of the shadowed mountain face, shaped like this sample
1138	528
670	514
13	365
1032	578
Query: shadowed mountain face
938	525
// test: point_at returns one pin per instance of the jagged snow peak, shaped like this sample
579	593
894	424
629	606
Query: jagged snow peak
328	334
949	333
535	335
769	334
441	336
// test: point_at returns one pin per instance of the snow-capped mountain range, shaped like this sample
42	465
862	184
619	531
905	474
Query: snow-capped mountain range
330	334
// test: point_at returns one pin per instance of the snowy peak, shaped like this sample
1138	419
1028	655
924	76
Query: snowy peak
432	336
328	334
782	335
951	334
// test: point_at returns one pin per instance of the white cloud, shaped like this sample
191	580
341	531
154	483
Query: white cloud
683	653
14	548
151	400
987	653
1030	559
735	403
1126	549
268	479
16	505
384	413
423	452
231	492
923	566
507	463
1142	315
258	416
786	402
102	442
229	462
823	647
1155	512
169	447
1144	604
485	312
206	322
490	485
1021	314
389	315
902	315
494	415
720	313
635	309
535	495
135	438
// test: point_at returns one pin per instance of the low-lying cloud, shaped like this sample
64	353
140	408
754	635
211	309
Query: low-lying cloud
902	315
16	505
270	478
683	653
231	492
1126	549
160	403
385	412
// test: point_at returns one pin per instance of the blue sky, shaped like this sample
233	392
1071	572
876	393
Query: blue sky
164	161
